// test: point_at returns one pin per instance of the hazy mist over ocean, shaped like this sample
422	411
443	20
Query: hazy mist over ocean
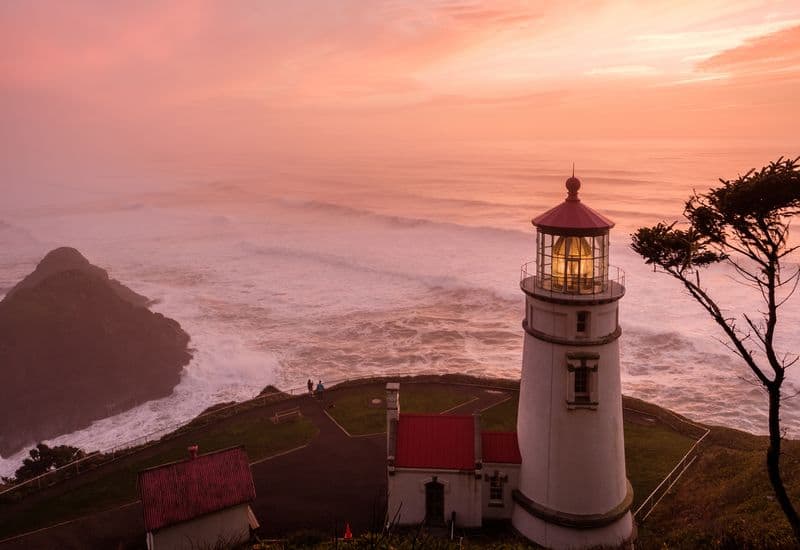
341	266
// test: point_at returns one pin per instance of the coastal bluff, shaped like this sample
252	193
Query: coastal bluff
77	346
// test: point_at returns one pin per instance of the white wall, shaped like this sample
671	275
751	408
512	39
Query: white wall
560	320
562	538
573	458
227	526
461	494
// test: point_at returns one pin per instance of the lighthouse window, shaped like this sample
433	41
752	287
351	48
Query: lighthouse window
582	323
582	380
582	384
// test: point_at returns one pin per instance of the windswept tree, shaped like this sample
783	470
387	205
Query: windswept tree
744	223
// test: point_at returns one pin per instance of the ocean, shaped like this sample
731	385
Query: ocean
330	267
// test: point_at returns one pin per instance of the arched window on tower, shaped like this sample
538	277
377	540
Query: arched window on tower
582	380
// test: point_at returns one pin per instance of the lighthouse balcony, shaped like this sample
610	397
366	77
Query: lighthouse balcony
572	288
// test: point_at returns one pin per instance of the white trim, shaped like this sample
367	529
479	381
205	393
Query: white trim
433	479
437	471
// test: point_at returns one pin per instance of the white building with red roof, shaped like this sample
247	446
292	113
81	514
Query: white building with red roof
201	502
442	468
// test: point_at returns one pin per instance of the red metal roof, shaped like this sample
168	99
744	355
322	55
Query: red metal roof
435	441
500	447
573	215
180	491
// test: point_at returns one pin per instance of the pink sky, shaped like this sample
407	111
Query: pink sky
135	79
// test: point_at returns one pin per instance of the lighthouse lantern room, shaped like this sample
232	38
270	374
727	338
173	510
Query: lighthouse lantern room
573	491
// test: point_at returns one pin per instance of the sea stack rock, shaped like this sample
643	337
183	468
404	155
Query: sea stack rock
77	346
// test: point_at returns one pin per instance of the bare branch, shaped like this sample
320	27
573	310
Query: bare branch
795	279
755	328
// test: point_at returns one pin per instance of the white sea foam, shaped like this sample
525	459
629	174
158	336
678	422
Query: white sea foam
416	271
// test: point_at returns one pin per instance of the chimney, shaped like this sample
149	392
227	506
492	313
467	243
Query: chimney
392	416
193	451
478	444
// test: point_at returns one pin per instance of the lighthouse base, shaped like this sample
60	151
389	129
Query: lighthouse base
563	531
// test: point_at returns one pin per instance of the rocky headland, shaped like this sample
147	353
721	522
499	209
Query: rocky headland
77	346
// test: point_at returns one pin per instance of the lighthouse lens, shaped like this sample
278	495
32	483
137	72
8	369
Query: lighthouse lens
573	265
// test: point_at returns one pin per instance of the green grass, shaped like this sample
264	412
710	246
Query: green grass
725	499
502	417
353	410
431	399
117	486
651	452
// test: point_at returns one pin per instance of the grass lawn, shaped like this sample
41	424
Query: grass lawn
354	410
502	417
651	452
116	484
725	499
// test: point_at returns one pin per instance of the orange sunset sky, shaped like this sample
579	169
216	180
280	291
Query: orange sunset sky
117	79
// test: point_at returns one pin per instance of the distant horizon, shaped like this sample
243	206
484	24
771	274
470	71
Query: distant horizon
95	89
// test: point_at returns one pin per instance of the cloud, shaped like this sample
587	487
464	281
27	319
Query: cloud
774	53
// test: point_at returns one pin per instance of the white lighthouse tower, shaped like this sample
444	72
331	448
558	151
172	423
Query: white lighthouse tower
573	491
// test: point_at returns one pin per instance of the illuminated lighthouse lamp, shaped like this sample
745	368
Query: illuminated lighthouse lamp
572	247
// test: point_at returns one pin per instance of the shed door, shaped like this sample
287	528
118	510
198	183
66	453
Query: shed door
434	503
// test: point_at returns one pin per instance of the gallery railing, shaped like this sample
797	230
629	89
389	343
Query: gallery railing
609	285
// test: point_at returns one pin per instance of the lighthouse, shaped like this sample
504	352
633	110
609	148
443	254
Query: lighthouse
573	491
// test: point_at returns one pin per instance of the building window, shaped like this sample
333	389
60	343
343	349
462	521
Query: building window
582	380
496	490
496	483
582	324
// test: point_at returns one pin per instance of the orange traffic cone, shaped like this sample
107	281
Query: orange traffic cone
348	534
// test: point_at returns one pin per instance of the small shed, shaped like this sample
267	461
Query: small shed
201	502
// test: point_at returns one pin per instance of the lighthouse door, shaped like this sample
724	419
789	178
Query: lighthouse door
434	503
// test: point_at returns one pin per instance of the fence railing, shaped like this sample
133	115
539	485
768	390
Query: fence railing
648	505
110	454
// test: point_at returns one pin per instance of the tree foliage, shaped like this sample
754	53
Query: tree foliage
44	458
745	223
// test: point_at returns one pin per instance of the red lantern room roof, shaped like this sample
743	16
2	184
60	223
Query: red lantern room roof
572	217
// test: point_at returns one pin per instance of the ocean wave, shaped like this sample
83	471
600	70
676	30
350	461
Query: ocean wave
402	222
